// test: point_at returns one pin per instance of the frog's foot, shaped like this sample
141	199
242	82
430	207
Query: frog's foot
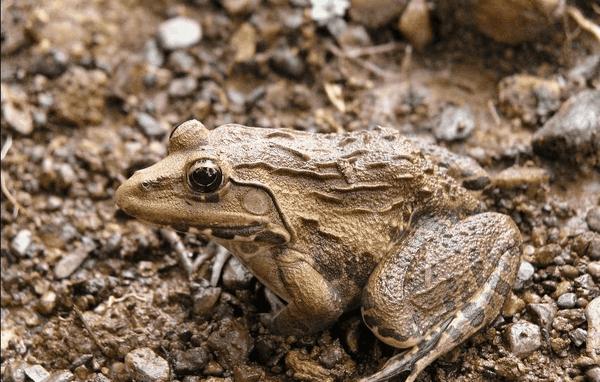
447	282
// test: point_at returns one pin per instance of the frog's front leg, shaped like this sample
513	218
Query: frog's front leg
313	303
447	280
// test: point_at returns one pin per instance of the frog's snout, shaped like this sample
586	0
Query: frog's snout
127	196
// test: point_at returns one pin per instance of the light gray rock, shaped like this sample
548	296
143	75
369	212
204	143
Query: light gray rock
21	242
69	263
150	125
455	123
525	273
182	87
523	338
573	133
143	365
60	376
179	33
543	314
567	300
592	313
235	274
578	336
36	373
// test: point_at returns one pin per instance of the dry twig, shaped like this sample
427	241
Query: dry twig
583	22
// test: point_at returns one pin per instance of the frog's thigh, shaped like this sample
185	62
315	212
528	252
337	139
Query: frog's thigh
444	292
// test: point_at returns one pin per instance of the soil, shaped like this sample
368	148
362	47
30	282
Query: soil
90	91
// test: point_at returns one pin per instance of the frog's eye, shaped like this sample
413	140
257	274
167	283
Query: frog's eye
204	176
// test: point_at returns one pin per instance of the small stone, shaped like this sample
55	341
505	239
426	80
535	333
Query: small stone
531	99
60	376
36	373
593	217
415	25
191	361
569	271
592	313
47	303
593	374
524	274
179	33
545	255
144	365
567	301
205	299
236	275
286	62
18	116
376	13
455	123
523	338
181	61
331	355
578	336
21	242
520	176
593	269
69	263
150	125
568	319
585	282
183	87
328	11
231	343
239	7
247	373
243	43
516	21
51	64
153	54
572	133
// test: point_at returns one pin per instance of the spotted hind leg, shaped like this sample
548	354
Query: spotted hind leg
454	282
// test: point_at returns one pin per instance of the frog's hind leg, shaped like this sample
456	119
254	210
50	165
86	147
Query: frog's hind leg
450	281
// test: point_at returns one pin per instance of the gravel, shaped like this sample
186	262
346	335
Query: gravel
190	361
144	365
455	123
524	274
179	33
36	373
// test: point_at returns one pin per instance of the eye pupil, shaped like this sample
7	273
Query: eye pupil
205	176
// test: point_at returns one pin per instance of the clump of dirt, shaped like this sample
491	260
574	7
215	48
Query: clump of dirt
91	89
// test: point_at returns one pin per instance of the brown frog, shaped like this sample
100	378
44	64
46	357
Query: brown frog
334	222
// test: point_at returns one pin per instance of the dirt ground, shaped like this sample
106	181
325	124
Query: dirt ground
91	89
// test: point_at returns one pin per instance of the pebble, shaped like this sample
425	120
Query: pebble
236	275
51	64
243	42
21	242
324	11
593	374
181	62
572	133
286	62
515	21
567	301
568	319
578	336
179	33
191	361
18	116
415	24
204	299
152	53
523	338
585	281
592	313
36	373
545	255
61	376
569	271
376	13
143	365
593	217
239	7
524	274
231	343
69	263
182	87
150	125
455	123
531	99
47	302
593	269
520	176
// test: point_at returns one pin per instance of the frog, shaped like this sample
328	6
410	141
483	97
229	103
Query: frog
335	222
